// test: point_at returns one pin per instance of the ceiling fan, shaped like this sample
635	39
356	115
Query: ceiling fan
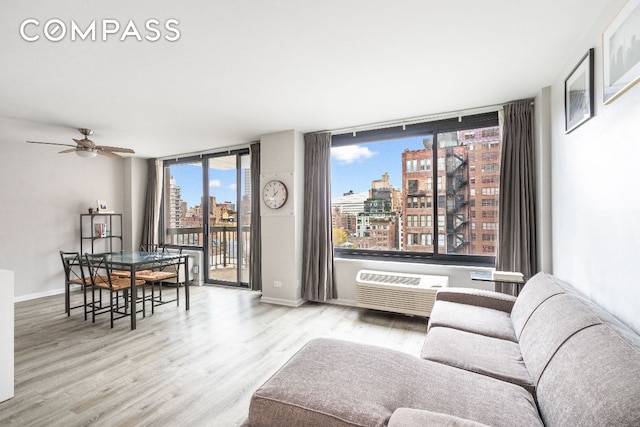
87	148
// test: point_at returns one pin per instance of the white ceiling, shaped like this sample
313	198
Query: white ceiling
241	69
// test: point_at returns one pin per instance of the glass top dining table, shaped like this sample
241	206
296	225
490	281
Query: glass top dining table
134	261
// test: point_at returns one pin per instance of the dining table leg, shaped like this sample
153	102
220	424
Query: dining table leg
67	297
186	281
133	297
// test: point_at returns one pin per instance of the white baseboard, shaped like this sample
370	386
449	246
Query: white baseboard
280	301
38	295
345	302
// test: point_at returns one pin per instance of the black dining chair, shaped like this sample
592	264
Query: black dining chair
74	276
167	274
101	279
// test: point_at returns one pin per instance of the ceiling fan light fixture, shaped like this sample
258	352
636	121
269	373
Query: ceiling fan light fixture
86	153
87	149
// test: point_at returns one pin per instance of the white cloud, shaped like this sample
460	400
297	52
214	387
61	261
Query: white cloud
215	183
232	186
351	153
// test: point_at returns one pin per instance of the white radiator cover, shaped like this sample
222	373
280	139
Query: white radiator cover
404	293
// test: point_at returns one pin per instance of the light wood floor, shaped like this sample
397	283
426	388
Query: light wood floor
178	368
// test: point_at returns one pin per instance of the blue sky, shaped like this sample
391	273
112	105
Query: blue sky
353	167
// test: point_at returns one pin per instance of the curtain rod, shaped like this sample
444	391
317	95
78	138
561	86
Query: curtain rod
420	119
227	149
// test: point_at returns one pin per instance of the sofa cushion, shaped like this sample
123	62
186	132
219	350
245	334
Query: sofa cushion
593	379
479	297
497	358
470	318
340	383
555	321
537	290
410	417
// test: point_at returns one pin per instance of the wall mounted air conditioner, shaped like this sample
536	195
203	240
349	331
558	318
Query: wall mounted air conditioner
195	266
404	293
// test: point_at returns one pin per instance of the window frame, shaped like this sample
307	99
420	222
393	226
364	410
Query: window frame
202	160
409	130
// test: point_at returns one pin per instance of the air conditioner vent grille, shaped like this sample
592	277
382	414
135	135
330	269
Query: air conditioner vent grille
392	279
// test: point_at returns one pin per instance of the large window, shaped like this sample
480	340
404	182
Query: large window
418	191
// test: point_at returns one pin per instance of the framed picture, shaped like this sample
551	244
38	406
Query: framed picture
621	51
102	205
578	93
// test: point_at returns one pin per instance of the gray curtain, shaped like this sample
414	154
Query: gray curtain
317	252
151	220
255	254
517	224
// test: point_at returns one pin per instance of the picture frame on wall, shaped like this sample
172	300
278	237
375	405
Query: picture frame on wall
578	93
621	52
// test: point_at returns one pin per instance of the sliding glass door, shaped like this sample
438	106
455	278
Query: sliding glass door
182	204
207	206
229	218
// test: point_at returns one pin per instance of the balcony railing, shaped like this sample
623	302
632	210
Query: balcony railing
223	245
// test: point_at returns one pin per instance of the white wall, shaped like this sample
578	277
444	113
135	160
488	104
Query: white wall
282	158
596	202
43	193
6	335
135	188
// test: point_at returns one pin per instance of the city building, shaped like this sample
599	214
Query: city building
369	219
459	213
176	208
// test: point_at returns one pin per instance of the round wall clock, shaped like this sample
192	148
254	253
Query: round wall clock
274	194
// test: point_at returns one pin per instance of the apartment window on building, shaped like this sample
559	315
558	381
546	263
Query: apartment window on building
417	175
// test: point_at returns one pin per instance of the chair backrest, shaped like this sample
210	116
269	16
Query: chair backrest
173	266
149	247
98	268
167	249
72	264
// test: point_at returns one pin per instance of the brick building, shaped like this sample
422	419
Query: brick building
464	185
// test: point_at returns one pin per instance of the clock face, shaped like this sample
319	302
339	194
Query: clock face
274	194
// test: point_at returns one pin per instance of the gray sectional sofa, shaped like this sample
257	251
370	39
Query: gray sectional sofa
549	357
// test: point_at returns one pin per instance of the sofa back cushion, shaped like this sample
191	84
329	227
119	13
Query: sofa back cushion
537	290
553	323
593	379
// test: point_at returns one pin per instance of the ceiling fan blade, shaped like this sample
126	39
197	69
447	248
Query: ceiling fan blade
86	143
50	143
116	149
108	154
70	150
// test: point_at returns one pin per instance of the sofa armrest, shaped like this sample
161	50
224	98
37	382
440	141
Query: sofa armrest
410	417
478	297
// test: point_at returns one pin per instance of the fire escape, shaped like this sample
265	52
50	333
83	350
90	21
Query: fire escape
457	200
